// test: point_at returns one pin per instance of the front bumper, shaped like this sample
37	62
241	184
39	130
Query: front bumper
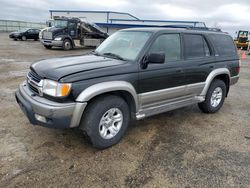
57	115
14	36
52	42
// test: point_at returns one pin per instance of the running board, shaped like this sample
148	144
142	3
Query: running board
168	106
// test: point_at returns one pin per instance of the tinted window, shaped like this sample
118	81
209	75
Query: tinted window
169	44
223	44
31	31
195	46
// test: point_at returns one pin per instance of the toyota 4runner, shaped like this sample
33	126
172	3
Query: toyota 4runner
133	74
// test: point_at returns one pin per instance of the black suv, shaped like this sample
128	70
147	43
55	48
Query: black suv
133	74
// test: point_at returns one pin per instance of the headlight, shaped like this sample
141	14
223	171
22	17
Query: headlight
56	89
58	38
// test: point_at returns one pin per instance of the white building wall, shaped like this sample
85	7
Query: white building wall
88	16
94	17
121	16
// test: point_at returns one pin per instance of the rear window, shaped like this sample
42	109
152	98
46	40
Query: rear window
195	46
223	44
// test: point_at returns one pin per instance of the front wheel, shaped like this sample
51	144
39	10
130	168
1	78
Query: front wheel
106	120
67	45
214	98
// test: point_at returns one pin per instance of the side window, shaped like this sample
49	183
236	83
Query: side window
196	46
169	44
223	44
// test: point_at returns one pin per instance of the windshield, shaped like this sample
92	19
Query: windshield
124	44
59	23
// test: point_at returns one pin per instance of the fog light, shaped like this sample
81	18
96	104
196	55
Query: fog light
40	118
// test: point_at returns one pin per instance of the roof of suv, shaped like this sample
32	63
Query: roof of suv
186	30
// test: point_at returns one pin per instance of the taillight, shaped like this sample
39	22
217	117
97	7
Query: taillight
238	68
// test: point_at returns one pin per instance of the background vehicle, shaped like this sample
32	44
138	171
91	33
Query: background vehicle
242	40
25	34
70	32
133	74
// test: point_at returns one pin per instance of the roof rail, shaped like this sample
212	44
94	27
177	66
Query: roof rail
205	28
192	27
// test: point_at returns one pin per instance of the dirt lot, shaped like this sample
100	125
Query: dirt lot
182	148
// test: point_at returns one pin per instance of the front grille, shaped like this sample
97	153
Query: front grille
32	88
34	76
34	81
243	40
47	35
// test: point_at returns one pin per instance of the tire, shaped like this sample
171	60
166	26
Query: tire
24	38
15	39
214	98
98	110
67	45
47	47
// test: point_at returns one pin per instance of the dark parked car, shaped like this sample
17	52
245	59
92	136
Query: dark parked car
25	34
133	74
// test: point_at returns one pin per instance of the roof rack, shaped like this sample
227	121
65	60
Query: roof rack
193	27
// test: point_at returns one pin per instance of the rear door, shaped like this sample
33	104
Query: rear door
199	62
159	82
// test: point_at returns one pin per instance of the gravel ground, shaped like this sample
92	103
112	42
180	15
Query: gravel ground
181	148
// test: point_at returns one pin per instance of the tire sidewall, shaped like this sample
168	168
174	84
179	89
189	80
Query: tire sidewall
64	44
24	38
214	85
94	117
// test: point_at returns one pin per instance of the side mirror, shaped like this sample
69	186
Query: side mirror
156	58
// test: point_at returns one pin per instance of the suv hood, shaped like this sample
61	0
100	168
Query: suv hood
57	68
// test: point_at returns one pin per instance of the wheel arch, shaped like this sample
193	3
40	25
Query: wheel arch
222	74
121	88
66	37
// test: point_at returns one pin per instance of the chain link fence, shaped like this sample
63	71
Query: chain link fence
12	25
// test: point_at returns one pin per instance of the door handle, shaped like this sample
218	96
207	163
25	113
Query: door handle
179	70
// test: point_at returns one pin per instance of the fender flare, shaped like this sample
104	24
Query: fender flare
105	87
211	77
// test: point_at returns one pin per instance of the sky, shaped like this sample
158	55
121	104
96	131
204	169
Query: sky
229	15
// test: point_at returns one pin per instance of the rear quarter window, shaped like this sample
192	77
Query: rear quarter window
223	45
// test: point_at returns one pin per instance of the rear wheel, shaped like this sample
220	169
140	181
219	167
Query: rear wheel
215	97
24	38
47	47
67	45
106	120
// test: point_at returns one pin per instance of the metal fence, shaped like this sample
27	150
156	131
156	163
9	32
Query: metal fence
12	25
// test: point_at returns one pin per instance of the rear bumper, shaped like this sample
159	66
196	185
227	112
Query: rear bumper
52	43
55	115
234	80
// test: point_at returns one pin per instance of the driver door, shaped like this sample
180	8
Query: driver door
72	29
159	82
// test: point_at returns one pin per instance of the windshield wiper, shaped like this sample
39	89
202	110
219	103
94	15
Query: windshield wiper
95	53
114	55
